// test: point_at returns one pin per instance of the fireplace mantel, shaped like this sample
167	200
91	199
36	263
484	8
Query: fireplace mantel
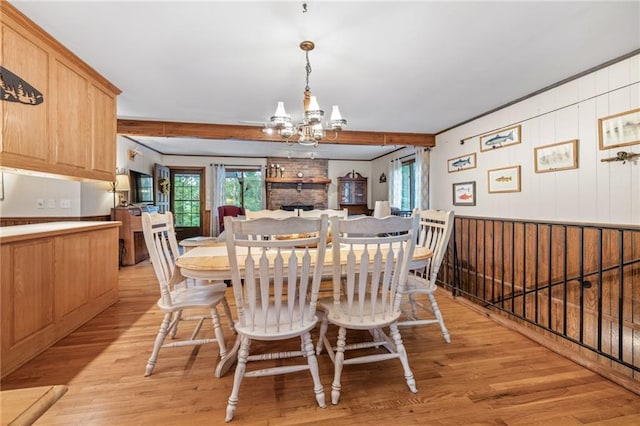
300	182
304	182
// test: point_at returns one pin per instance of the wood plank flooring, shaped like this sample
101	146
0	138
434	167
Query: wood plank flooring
488	375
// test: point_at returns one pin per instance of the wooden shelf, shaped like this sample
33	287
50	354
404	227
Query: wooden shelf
298	181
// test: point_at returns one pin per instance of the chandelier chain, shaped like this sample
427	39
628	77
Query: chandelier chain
308	69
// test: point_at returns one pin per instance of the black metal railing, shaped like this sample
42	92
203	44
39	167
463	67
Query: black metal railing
578	281
401	213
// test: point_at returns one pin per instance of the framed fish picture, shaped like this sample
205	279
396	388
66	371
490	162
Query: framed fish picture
619	129
505	179
464	194
556	157
464	162
500	139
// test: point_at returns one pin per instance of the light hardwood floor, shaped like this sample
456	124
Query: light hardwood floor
487	375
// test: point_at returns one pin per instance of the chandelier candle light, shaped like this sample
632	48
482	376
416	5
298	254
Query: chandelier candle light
311	129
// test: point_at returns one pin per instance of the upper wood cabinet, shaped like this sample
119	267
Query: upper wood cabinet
73	131
71	115
103	129
26	56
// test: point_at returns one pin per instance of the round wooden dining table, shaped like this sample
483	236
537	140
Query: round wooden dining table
211	262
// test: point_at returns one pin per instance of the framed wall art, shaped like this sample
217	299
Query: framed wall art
505	179
500	139
464	162
619	129
464	194
556	157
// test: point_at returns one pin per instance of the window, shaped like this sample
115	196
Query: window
408	199
243	187
186	199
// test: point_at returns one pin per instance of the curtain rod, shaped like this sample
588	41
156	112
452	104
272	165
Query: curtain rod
237	166
402	158
413	154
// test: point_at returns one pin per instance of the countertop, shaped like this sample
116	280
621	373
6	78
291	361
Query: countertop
38	230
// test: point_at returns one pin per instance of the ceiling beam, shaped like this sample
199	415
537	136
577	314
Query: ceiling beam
169	129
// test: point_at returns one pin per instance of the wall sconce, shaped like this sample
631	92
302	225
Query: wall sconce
133	153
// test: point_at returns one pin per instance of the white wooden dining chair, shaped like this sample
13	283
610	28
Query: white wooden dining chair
329	212
160	239
434	233
275	283
365	291
275	214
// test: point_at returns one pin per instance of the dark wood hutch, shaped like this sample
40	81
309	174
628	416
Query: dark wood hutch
352	193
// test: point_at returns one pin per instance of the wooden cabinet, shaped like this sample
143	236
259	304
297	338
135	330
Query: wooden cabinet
73	131
103	129
27	57
70	112
352	193
55	277
133	245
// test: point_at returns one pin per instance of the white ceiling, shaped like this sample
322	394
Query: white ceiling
418	67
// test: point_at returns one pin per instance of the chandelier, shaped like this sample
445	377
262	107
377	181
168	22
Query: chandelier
310	130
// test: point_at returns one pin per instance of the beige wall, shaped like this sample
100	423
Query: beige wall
603	192
23	191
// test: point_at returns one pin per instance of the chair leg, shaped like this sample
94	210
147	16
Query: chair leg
323	331
338	364
397	338
243	355
412	304
227	312
162	334
217	329
438	315
312	361
174	330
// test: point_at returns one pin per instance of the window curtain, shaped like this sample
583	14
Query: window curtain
422	178
264	188
395	184
219	174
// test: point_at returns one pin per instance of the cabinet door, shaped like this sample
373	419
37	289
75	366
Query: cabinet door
27	310
345	193
73	273
103	127
104	263
70	118
25	141
359	192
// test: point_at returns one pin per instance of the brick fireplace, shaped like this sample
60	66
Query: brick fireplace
288	189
